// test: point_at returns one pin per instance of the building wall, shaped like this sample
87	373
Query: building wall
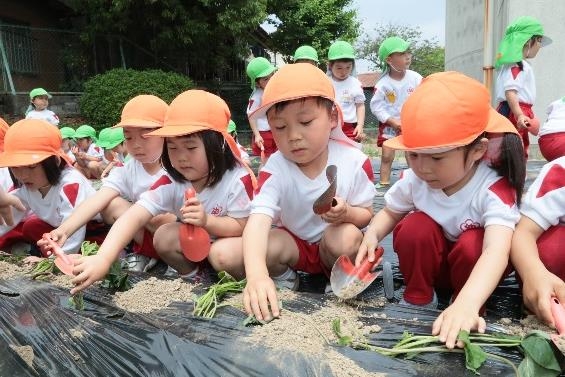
465	36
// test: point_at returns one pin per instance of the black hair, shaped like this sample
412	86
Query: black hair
344	60
320	101
53	167
218	153
510	163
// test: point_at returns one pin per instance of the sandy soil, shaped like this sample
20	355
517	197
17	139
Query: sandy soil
26	353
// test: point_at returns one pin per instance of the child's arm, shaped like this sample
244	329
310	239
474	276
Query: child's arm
463	313
93	268
343	212
514	104
256	134
358	131
382	224
260	293
81	215
7	201
539	285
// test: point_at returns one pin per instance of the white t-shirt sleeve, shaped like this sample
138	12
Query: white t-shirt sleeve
378	105
499	205
358	93
399	197
71	195
162	197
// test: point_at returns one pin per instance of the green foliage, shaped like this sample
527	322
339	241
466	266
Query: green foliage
428	56
105	95
539	358
317	23
207	304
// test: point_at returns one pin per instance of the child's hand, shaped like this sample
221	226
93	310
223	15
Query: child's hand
260	295
358	133
193	213
367	247
538	289
458	316
107	169
523	121
337	213
89	270
259	141
7	201
56	235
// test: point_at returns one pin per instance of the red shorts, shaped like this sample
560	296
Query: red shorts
552	146
146	248
348	129
268	144
308	256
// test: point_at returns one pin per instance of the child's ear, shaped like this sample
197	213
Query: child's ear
480	149
334	117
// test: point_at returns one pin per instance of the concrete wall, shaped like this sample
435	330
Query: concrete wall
465	35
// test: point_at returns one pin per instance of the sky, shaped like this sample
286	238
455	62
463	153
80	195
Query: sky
428	15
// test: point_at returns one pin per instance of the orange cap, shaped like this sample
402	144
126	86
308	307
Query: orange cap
30	141
198	110
301	80
144	111
446	111
3	128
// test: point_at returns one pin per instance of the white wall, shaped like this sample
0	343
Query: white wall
465	36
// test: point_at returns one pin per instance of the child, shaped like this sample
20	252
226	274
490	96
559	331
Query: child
515	83
125	184
537	245
232	130
89	156
45	183
68	136
5	179
198	154
454	211
552	132
260	71
306	54
306	122
348	90
391	91
115	153
38	107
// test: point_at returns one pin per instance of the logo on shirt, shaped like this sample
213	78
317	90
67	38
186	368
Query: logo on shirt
216	211
469	224
390	96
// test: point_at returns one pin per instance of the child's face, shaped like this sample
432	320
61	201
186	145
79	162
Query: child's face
448	171
400	60
262	81
120	148
532	48
301	131
341	70
188	156
144	149
40	102
83	143
32	176
66	145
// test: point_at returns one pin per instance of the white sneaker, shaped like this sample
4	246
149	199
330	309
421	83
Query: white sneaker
288	280
430	305
191	277
152	263
135	262
328	288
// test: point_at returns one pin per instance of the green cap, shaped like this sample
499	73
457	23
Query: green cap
85	131
306	53
515	37
390	46
231	126
259	67
67	133
39	92
341	50
110	137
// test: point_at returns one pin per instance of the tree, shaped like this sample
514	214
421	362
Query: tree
313	22
428	55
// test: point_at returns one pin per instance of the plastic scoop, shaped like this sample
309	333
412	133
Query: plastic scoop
194	240
326	201
348	281
558	313
63	261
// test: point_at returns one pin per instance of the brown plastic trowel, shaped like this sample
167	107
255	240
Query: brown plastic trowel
348	281
326	201
194	240
64	262
558	313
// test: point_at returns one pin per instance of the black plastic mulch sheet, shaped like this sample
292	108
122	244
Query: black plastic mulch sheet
104	340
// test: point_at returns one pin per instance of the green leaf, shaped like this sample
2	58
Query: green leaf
529	368
474	355
537	346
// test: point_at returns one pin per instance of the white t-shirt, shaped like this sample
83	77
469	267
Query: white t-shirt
287	195
95	151
511	77
254	104
57	205
44	114
487	199
544	202
555	118
6	182
390	95
131	180
348	93
229	197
